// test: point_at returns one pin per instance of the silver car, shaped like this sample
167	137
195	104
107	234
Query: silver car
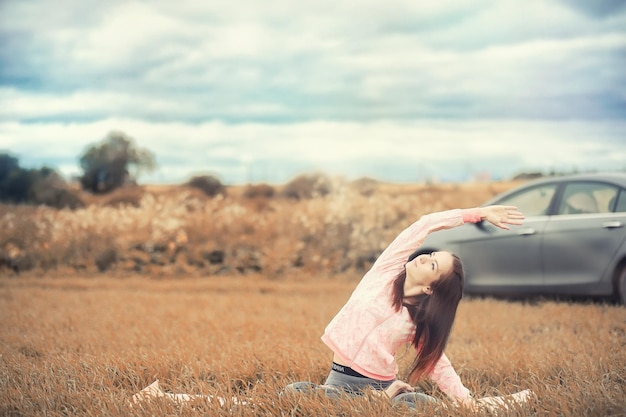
573	241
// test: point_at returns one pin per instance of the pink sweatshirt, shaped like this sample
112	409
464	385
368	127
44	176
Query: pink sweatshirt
367	331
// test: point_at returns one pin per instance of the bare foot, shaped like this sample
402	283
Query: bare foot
150	391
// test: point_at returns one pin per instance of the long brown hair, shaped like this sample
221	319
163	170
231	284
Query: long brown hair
433	316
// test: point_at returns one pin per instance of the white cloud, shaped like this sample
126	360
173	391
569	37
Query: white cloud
124	32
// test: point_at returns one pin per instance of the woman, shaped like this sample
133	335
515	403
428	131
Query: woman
399	302
395	303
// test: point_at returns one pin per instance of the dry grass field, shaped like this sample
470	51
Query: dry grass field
127	290
77	346
180	231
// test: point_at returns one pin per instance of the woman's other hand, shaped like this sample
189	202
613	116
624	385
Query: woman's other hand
398	387
501	216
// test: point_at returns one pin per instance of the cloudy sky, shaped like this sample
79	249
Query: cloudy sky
259	91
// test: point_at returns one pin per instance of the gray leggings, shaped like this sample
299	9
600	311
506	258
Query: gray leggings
337	384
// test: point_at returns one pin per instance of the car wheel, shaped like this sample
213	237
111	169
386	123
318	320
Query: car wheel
621	287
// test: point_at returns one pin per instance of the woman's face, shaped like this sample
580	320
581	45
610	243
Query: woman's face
427	268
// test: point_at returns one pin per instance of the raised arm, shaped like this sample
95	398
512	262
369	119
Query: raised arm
412	237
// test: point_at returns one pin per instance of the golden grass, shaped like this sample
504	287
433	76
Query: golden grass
175	230
83	346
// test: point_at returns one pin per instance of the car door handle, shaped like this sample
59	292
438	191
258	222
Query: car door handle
526	231
612	225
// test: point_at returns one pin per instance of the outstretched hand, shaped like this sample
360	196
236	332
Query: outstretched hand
501	216
505	402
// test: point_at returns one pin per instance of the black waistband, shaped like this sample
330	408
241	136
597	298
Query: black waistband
346	370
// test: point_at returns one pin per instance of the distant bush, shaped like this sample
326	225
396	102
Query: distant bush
307	186
106	259
8	164
61	198
15	182
209	184
365	186
527	176
259	191
34	186
51	190
19	235
14	258
130	195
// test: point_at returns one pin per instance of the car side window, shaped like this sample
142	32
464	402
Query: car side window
533	201
587	197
